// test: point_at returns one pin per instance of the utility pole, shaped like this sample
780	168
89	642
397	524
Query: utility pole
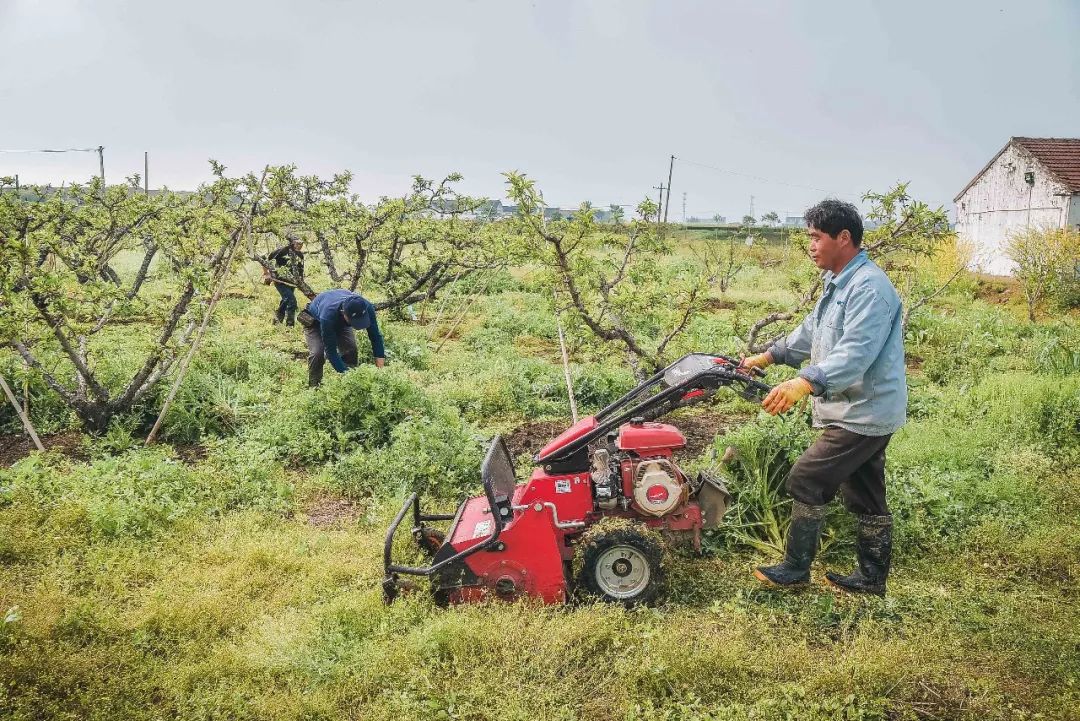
101	163
751	206
661	189
146	172
683	209
667	207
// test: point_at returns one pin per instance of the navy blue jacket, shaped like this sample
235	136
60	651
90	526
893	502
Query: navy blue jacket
327	308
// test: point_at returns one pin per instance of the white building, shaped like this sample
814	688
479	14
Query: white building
1031	182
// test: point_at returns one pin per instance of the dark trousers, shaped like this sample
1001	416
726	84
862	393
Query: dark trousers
844	461
316	359
287	306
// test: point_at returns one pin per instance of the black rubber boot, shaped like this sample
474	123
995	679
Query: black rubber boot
290	318
279	316
802	544
873	547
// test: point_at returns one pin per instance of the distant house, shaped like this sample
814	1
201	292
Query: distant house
1031	182
497	210
794	221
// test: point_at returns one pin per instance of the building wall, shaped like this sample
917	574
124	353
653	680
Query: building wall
1074	212
1000	202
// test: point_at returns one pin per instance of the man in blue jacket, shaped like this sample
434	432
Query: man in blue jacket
855	344
339	314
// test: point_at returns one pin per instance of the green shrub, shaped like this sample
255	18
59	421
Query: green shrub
406	346
960	348
359	408
975	454
229	385
597	385
489	388
438	455
1056	350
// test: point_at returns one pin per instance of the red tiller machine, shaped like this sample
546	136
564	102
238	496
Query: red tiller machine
525	539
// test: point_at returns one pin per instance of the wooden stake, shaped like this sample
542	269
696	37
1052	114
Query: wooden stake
565	360
22	416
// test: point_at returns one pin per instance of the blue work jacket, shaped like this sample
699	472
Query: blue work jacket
854	340
327	308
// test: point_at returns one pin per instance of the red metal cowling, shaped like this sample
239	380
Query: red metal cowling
645	437
570	492
529	564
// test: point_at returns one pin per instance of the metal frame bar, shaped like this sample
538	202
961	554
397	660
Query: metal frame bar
392	570
662	402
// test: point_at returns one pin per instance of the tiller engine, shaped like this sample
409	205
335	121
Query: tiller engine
526	539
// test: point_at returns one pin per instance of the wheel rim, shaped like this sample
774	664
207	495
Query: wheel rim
622	572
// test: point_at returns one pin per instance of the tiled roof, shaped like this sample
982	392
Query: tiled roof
1061	156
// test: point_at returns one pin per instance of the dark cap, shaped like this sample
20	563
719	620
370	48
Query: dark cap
355	310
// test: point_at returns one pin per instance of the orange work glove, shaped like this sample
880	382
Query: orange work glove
761	360
785	395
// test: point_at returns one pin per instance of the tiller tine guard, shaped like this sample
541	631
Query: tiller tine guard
497	472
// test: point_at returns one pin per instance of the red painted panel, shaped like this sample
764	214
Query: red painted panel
476	524
649	436
571	493
570	434
531	561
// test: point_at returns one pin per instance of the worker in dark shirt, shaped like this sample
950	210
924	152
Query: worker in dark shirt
287	277
339	314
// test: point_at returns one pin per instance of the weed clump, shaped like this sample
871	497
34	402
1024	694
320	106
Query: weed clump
436	454
355	409
764	453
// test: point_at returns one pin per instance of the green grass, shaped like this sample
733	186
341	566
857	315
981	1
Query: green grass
146	584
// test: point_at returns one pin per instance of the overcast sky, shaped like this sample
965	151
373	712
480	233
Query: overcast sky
589	98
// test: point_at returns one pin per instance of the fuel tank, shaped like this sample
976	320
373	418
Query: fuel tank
646	437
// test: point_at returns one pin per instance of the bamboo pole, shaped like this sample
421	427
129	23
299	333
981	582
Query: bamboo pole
182	370
565	359
22	416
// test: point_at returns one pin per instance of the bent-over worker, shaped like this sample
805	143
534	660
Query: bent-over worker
854	342
339	314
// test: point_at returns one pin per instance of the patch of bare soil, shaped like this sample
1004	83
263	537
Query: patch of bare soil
327	511
190	453
719	304
702	427
534	435
16	446
997	289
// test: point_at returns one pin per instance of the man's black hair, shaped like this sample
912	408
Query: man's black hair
831	216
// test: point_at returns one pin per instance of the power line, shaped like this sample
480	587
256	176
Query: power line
50	150
100	150
768	180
